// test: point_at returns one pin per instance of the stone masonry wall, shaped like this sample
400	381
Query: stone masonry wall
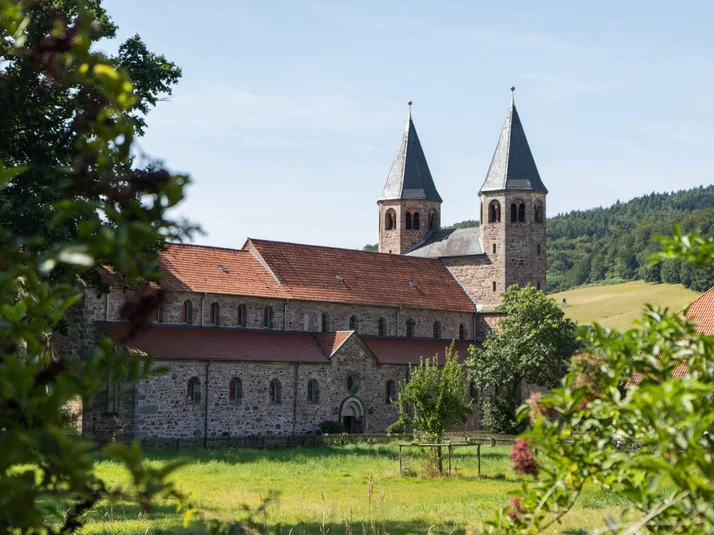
400	239
525	263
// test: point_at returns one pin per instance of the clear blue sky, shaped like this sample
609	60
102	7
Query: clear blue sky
289	113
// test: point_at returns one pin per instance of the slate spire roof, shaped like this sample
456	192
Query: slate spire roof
513	166
410	177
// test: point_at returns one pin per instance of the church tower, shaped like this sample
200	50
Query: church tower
512	202
410	206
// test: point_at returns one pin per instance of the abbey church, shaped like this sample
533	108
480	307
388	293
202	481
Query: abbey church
274	338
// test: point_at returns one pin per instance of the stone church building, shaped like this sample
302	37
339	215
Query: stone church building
274	338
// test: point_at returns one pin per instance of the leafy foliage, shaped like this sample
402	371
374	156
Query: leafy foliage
68	201
649	443
532	344
332	427
434	399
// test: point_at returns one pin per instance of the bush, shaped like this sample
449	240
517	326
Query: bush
498	416
330	427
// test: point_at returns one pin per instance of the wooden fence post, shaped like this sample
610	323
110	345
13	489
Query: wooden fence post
478	453
449	460
400	459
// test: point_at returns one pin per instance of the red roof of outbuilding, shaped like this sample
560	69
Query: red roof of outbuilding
412	350
701	312
205	343
315	273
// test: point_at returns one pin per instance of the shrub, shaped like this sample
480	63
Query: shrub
330	427
498	416
524	462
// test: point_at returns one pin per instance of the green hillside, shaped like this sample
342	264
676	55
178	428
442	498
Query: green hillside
616	305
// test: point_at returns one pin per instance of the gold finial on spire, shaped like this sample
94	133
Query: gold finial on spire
513	95
410	109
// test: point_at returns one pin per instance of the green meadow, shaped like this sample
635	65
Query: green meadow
617	305
342	489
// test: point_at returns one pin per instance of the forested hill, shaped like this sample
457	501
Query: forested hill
613	244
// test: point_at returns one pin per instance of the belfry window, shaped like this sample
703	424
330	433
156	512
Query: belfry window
432	221
415	221
389	220
522	213
494	212
409	220
538	214
514	212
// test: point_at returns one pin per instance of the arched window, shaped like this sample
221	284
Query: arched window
437	329
514	212
473	392
409	220
215	314
354	323
415	221
410	328
538	213
391	393
389	220
276	392
463	331
522	213
432	220
313	391
235	391
194	390
187	314
381	327
242	316
268	318
494	212
324	322
159	317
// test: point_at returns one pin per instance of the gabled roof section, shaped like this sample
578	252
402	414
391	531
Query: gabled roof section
330	342
314	273
513	166
444	243
197	268
216	343
409	177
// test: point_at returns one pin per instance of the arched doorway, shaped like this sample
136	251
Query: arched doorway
352	415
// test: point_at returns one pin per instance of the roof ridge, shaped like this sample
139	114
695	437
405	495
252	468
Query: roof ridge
257	240
218	247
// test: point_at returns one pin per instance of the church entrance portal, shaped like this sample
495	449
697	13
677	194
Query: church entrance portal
352	415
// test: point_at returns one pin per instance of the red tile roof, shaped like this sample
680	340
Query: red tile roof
196	343
331	342
197	268
411	350
701	312
314	273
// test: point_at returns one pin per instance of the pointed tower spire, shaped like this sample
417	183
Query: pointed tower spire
409	177
513	166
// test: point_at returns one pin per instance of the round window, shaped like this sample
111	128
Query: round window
352	383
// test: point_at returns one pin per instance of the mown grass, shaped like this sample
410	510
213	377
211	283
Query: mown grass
334	490
617	305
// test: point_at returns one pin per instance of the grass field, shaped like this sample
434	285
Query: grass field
617	305
336	490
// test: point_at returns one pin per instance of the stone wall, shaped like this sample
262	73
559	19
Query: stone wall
526	242
400	239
